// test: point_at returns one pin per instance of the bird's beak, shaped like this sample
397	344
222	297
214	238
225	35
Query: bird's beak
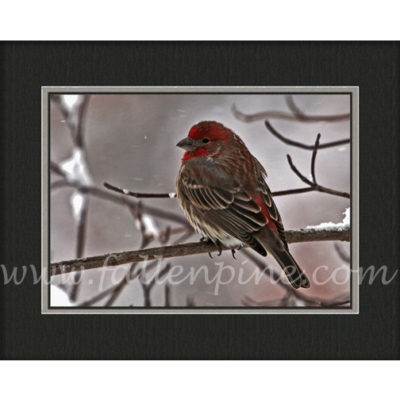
186	144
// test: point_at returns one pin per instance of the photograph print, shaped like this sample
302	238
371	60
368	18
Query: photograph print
200	200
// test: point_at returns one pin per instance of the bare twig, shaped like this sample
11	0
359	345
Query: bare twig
313	185
300	116
292	191
291	142
100	296
131	274
54	167
313	157
80	245
295	115
148	286
341	253
121	285
115	290
146	240
107	195
81	234
137	194
79	136
59	184
138	216
189	232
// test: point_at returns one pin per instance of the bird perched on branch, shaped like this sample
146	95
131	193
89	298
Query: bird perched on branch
222	190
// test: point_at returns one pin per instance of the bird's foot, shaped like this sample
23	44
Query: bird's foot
236	249
217	243
205	239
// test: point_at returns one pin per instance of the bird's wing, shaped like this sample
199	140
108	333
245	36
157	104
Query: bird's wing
233	210
271	207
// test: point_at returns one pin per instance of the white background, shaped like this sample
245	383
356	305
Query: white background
199	380
199	20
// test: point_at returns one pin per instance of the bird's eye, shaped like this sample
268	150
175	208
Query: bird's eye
205	140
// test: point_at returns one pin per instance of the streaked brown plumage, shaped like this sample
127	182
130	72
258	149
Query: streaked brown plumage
222	190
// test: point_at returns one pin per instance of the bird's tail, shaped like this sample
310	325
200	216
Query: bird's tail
296	276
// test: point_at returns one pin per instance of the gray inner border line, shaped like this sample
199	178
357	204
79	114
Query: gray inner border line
353	90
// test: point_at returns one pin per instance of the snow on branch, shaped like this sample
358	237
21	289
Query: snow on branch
326	226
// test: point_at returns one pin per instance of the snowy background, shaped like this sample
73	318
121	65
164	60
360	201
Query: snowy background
130	141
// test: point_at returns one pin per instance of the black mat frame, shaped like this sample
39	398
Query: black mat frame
25	67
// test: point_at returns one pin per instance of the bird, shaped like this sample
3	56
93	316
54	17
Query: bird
222	190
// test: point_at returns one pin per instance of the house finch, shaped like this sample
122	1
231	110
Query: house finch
222	190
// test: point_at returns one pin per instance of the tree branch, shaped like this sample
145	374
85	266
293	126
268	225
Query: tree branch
81	116
148	286
301	116
75	118
132	273
107	195
113	259
54	167
313	185
341	253
291	142
137	194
